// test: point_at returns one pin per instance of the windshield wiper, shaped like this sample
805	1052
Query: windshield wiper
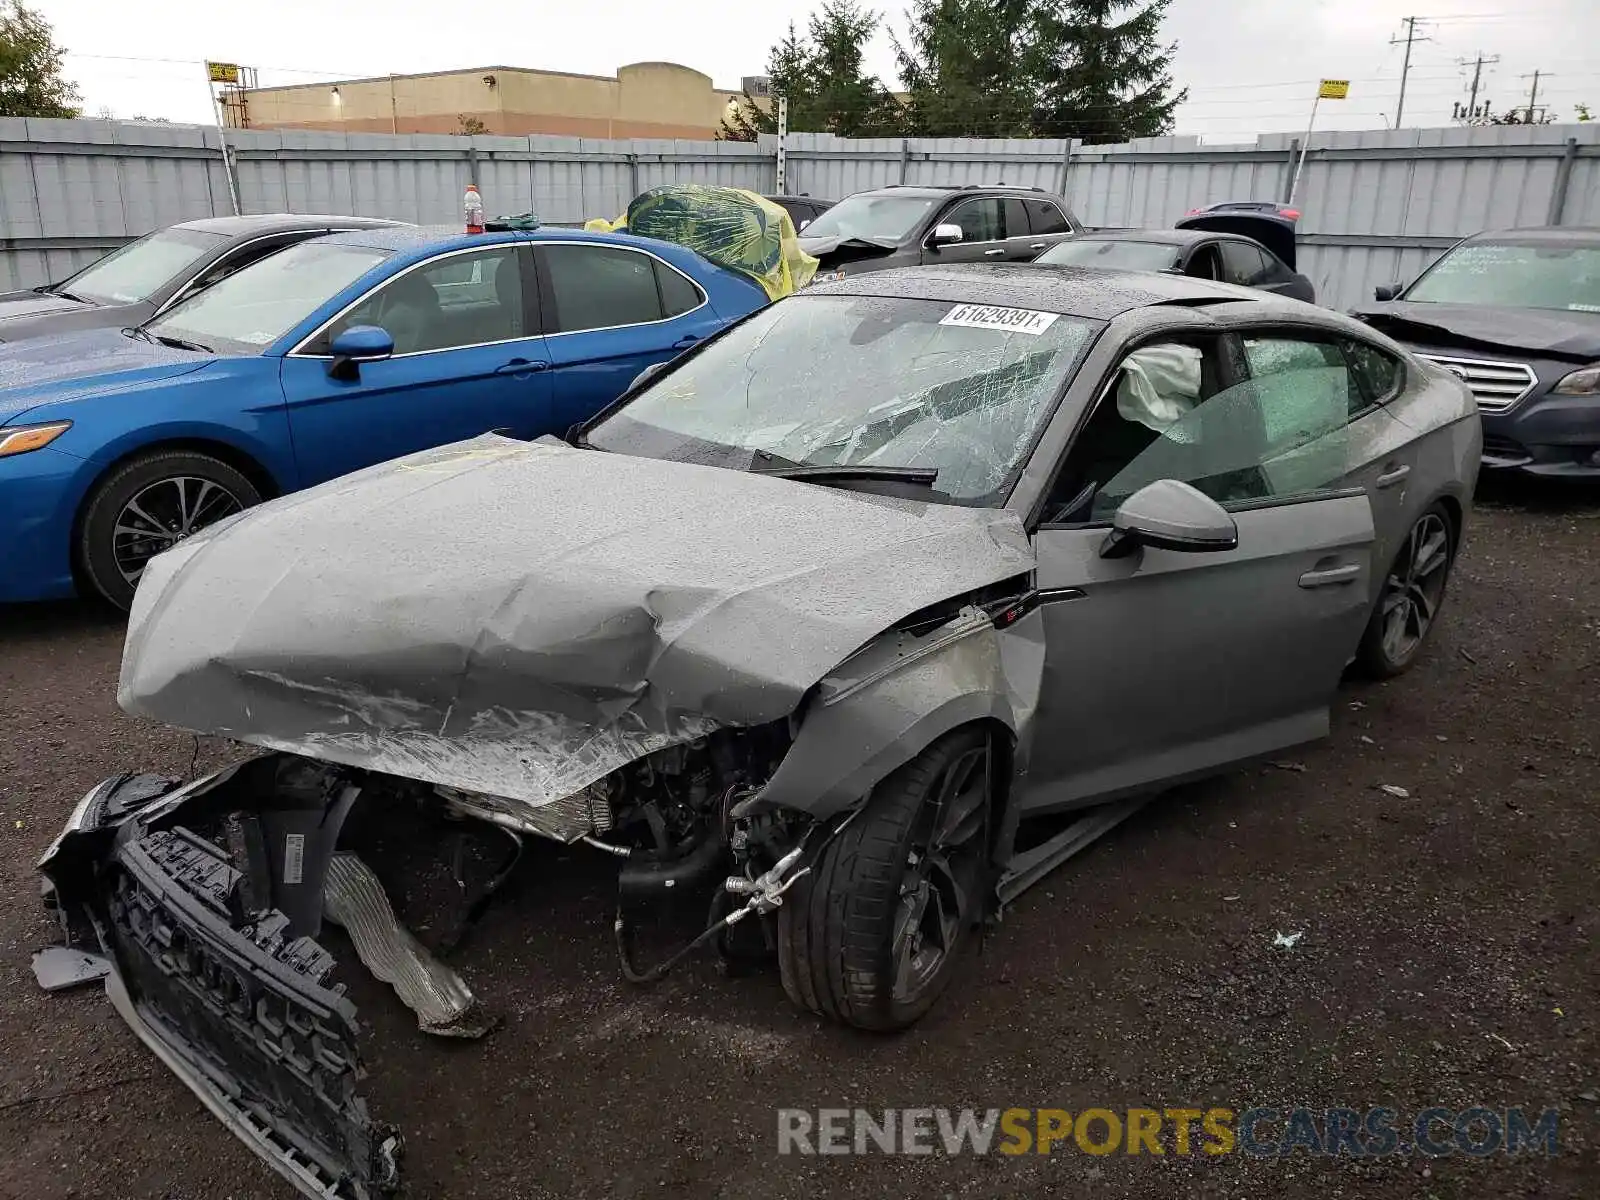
178	343
817	473
137	331
73	296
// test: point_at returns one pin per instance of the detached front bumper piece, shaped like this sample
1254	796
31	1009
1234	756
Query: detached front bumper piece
219	985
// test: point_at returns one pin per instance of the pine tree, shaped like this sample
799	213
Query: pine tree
822	76
31	83
970	67
1108	76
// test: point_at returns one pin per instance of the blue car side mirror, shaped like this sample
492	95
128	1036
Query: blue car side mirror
356	345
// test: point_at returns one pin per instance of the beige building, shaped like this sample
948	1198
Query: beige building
652	99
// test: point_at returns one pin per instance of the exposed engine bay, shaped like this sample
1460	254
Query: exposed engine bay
211	897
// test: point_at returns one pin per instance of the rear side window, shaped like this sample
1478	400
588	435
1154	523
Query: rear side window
678	294
1045	217
601	287
1378	373
1243	264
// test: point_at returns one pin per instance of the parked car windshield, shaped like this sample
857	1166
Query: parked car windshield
1104	252
254	307
137	270
873	217
1514	275
862	381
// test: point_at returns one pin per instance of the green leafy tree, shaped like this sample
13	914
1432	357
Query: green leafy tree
971	67
1107	75
1582	112
822	74
31	83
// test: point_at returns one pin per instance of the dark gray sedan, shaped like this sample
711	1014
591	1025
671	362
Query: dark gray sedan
138	281
1198	253
852	623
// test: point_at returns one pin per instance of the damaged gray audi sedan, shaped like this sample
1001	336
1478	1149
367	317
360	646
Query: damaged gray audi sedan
851	623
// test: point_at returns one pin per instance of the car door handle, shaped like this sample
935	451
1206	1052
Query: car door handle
992	253
686	341
1037	246
522	366
1331	576
1393	476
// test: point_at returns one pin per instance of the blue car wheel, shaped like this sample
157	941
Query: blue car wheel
149	505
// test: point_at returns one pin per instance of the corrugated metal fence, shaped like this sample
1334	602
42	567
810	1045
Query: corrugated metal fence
1378	205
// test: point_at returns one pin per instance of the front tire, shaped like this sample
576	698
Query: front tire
872	936
1410	598
148	505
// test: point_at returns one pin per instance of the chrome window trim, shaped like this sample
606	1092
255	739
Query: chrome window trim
299	350
705	299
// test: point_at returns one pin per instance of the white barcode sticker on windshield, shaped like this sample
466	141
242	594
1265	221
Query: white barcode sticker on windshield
1012	320
294	857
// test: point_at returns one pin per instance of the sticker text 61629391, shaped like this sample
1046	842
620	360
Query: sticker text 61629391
988	316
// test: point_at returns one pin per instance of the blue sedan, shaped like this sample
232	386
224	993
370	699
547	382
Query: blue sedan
329	356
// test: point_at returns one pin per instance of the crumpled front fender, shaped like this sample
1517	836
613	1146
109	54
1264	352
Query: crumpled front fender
896	696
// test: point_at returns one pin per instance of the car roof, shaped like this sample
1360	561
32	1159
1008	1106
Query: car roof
283	222
1572	235
1163	237
973	189
1094	293
427	238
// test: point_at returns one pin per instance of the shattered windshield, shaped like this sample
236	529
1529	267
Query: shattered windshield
873	217
862	381
1514	275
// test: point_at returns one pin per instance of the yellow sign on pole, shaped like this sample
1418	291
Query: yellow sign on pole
222	72
1334	89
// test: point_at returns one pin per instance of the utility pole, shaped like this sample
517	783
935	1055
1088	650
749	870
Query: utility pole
1477	79
1405	67
1533	95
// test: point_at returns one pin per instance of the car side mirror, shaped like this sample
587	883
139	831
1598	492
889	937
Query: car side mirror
356	345
1387	291
1170	515
804	223
646	375
945	235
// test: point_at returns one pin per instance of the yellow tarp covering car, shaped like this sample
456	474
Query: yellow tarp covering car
729	226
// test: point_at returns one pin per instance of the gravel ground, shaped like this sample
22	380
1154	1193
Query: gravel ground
1447	957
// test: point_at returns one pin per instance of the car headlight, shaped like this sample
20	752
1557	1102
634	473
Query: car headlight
1580	383
30	437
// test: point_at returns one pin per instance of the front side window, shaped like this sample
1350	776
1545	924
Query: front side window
140	269
254	307
1113	253
1282	432
862	381
602	287
1514	275
455	301
982	220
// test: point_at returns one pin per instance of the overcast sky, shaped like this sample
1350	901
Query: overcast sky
1250	65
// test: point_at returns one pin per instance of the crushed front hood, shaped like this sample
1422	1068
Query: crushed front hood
1551	332
521	619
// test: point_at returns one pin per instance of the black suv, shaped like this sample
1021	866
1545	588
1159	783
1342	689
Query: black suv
907	225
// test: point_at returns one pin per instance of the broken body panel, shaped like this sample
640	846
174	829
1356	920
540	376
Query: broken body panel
534	659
